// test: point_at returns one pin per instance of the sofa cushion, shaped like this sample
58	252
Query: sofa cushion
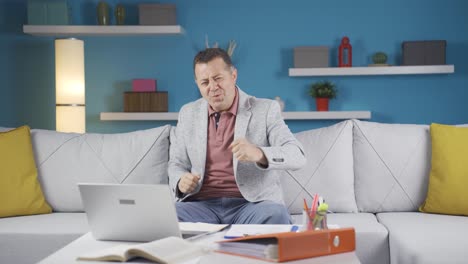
28	239
65	159
371	236
391	166
328	171
426	238
449	171
20	191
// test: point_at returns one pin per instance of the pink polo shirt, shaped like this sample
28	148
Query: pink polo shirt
219	178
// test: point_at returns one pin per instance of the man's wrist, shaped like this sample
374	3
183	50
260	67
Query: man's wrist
263	161
178	193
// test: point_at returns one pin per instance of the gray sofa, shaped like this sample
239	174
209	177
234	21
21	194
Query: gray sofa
374	177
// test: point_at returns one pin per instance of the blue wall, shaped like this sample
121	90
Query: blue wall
266	32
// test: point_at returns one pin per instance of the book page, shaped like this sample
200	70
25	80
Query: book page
117	253
168	250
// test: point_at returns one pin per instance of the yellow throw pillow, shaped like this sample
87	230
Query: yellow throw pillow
20	192
447	192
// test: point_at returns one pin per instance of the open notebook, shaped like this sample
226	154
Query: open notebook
170	250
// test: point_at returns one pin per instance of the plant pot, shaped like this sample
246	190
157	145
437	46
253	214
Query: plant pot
322	104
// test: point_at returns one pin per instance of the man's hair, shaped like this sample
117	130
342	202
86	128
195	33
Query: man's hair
210	54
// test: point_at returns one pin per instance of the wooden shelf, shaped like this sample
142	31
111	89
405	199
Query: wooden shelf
377	70
172	116
71	31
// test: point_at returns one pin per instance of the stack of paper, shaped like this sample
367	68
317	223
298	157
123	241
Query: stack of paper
250	230
189	228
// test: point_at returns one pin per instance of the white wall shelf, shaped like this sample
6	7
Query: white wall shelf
314	115
172	116
377	70
139	116
73	31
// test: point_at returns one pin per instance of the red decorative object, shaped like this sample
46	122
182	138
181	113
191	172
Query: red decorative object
144	85
348	61
322	104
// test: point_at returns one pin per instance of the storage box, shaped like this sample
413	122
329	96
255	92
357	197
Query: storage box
144	85
48	12
311	57
424	52
157	14
145	102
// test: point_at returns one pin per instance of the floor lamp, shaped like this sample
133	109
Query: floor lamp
70	86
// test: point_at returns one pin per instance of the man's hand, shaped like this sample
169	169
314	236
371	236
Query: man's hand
243	150
188	182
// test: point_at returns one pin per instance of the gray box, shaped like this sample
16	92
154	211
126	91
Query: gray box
424	52
157	14
48	12
311	57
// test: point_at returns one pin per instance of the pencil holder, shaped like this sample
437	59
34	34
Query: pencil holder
315	220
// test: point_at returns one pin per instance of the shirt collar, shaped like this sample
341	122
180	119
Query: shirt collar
232	109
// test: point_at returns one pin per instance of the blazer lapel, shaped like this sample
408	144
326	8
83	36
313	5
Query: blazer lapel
242	120
201	135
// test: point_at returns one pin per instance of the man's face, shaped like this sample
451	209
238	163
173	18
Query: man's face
217	83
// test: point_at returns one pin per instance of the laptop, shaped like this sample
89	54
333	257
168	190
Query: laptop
129	212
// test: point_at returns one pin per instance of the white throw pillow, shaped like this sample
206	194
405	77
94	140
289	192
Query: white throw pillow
65	159
328	171
391	166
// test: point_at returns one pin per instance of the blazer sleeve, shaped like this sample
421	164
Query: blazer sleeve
284	152
179	162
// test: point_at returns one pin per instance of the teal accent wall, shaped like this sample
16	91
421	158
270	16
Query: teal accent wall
266	33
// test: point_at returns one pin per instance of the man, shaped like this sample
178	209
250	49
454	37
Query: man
226	150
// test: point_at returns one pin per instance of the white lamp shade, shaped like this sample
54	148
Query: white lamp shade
69	85
70	119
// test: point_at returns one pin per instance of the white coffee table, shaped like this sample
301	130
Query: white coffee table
87	243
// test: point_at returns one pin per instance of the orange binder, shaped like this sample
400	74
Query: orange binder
286	246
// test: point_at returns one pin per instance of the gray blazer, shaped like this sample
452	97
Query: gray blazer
257	120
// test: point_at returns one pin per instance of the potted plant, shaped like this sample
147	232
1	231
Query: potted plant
322	91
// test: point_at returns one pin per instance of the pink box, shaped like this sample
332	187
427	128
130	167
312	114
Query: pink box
144	85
